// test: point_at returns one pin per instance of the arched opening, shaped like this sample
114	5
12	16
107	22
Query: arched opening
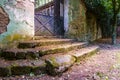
4	20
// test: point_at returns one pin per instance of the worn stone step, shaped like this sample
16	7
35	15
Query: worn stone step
33	53
58	63
53	64
43	42
21	67
83	53
46	37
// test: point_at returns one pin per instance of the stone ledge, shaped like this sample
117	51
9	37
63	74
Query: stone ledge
44	42
33	53
21	67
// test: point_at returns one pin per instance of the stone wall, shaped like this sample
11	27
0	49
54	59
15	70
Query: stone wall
93	28
82	25
21	23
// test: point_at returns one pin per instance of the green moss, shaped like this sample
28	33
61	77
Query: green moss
5	72
77	24
20	70
11	40
8	55
53	62
54	65
38	70
50	66
59	50
82	24
19	28
87	55
14	64
16	37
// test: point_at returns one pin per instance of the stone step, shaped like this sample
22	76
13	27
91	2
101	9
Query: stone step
58	63
43	42
21	67
53	64
83	53
33	53
47	37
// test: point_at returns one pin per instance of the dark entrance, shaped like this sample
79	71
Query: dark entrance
49	17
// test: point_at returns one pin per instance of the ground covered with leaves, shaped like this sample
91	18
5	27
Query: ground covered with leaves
105	65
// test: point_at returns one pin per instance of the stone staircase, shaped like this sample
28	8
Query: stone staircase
51	55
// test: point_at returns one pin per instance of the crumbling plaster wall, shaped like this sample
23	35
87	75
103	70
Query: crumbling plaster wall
4	20
21	24
82	25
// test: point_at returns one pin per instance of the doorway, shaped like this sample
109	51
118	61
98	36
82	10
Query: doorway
49	17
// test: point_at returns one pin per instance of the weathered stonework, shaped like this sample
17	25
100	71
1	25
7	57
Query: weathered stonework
21	25
93	29
4	20
81	27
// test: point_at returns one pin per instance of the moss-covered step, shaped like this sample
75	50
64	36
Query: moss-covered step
43	42
86	52
53	64
61	48
21	67
46	37
13	54
4	68
56	65
33	53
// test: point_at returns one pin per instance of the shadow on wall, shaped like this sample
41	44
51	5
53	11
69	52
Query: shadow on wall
4	20
118	31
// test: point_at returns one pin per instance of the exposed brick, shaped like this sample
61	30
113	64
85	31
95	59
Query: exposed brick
4	20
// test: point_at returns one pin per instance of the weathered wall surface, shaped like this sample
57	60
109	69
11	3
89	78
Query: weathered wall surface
4	20
82	25
93	29
21	24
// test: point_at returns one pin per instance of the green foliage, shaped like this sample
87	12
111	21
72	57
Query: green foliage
106	12
102	14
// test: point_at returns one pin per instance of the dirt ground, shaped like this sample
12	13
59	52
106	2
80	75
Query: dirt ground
105	65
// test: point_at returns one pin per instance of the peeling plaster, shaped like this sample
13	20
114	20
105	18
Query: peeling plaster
21	14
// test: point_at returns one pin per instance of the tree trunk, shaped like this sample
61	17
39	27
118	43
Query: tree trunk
114	33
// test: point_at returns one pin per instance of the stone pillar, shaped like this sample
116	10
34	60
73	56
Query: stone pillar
21	24
66	16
